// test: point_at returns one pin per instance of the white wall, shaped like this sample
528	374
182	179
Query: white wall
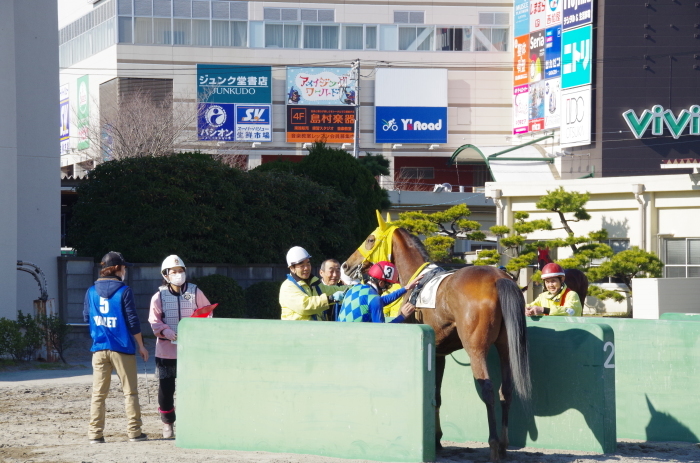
29	175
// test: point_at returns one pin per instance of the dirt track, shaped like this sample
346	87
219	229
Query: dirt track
44	416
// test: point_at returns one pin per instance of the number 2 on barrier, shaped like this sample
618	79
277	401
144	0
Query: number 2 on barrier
608	361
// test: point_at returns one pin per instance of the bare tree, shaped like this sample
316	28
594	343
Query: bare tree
406	181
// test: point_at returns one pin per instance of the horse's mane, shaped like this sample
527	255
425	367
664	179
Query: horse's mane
416	243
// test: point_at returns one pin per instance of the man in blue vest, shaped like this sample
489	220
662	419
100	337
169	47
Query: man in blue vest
116	332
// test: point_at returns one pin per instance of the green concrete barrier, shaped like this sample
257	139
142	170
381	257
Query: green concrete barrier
657	371
350	390
694	317
573	384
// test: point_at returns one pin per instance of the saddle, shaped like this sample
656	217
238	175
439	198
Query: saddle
423	295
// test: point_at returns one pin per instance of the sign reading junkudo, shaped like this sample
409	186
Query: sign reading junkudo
657	118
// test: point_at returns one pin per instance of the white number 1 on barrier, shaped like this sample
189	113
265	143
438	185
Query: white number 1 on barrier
608	363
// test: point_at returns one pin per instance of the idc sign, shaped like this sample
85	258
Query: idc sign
405	124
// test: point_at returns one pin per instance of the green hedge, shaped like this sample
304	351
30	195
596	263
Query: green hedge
205	211
262	300
224	291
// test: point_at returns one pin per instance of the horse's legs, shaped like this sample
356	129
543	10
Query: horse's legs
481	374
439	372
506	392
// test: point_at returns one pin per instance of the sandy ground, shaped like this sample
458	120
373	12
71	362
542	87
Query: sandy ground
44	417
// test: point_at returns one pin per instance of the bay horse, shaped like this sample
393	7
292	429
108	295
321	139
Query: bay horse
476	307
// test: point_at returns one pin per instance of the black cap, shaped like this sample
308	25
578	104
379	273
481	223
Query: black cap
114	258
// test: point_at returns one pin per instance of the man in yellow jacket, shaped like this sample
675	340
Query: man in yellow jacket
302	295
558	299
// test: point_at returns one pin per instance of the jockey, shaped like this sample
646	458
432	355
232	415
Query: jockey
302	295
559	299
364	303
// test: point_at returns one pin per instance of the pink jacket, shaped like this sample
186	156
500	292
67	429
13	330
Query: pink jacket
164	348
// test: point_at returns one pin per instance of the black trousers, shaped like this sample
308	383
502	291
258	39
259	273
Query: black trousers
166	370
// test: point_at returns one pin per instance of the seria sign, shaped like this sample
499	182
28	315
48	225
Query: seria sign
657	118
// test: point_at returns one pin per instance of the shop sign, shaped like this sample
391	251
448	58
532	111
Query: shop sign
320	86
405	124
577	13
554	10
521	51
537	100
538	14
83	86
64	137
552	52
521	17
216	122
253	123
331	124
552	103
576	117
220	83
577	57
521	109
657	118
536	62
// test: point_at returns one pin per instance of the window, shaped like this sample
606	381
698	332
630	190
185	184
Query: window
125	34
325	15
409	17
281	14
239	33
282	35
239	10
453	38
388	37
682	258
321	36
415	38
220	34
490	39
418	173
495	19
181	32
200	32
371	37
162	31
353	37
143	30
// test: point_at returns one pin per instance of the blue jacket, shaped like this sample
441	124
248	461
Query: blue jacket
109	307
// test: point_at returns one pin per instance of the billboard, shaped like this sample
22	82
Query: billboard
576	117
216	121
536	61
577	13
554	12
552	52
536	103
552	103
332	124
538	14
83	113
405	124
577	57
521	51
64	107
223	83
320	86
521	18
521	109
254	122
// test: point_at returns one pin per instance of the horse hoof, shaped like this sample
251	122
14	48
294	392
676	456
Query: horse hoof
502	451
495	457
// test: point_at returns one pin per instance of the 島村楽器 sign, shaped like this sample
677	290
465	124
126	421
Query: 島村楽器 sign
218	83
405	124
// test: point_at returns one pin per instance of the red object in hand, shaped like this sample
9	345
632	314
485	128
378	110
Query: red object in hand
203	312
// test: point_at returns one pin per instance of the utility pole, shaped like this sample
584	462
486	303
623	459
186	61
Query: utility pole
355	75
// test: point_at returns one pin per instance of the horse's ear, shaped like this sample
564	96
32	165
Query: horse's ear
380	221
388	217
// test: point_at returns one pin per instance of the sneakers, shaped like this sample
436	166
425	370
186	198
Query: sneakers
101	440
140	438
167	431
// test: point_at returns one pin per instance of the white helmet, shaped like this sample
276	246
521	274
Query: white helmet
296	255
170	262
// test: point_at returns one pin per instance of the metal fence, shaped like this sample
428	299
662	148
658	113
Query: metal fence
77	274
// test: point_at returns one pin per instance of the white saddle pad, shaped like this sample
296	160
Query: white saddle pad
426	298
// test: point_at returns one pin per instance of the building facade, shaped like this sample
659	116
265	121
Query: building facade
168	41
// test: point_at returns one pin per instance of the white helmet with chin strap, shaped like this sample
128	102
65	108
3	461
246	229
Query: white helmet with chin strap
170	262
297	254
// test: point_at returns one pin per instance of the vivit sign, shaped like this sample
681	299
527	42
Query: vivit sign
658	117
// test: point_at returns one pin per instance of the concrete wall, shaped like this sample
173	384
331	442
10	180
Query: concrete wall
29	181
656	296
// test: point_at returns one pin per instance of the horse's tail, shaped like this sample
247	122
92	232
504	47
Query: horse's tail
513	309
